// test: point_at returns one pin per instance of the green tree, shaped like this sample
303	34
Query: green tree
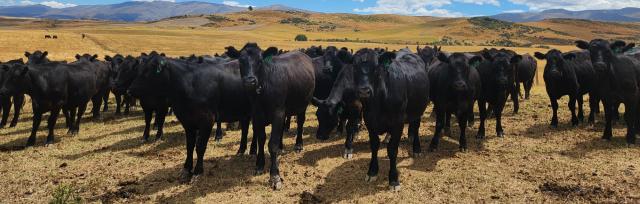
250	8
301	37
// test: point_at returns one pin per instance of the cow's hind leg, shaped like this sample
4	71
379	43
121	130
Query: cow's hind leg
300	118
51	125
18	101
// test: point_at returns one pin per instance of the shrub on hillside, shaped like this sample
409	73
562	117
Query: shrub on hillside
301	37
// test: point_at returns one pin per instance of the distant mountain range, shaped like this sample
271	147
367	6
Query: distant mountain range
156	10
617	15
128	11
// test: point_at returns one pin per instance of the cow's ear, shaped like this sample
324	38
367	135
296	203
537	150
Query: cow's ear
628	47
516	59
569	56
232	52
386	58
540	56
27	54
162	54
94	57
475	61
271	51
78	56
418	49
216	55
108	58
487	55
582	44
44	54
443	58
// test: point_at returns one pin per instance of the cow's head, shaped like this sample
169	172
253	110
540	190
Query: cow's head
459	67
502	65
556	60
428	54
601	52
252	62
37	57
87	58
328	114
14	78
127	72
620	47
153	76
115	63
367	64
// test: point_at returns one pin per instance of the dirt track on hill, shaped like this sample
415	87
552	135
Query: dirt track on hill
533	163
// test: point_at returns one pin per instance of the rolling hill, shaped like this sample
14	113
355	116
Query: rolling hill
615	15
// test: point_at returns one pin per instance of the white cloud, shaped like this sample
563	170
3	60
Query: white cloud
27	2
514	11
16	3
576	5
55	4
155	0
234	3
359	1
420	7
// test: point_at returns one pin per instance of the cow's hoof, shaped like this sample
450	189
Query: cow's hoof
348	154
500	134
195	179
432	149
48	143
259	172
276	182
463	149
480	136
370	178
298	148
13	125
185	176
218	141
158	138
394	188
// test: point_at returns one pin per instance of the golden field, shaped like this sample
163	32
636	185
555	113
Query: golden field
107	163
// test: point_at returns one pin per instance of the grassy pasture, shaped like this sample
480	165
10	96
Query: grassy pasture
107	162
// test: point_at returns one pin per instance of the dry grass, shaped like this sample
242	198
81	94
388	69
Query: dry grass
107	163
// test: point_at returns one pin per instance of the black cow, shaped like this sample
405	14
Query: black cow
429	55
619	81
341	106
280	86
570	74
314	51
497	78
121	99
5	101
196	92
102	72
234	103
525	73
393	88
455	86
52	86
150	103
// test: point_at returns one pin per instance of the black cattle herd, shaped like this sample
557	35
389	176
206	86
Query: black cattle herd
385	89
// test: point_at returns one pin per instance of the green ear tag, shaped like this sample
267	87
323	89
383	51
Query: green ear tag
617	50
475	65
339	110
159	69
387	64
268	59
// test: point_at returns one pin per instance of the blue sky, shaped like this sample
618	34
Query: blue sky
405	7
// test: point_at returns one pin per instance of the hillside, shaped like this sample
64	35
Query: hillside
409	29
614	15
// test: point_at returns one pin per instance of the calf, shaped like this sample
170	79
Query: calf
497	76
569	74
5	101
122	99
235	101
619	81
341	105
525	73
279	86
196	92
102	72
53	86
393	89
150	103
455	86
